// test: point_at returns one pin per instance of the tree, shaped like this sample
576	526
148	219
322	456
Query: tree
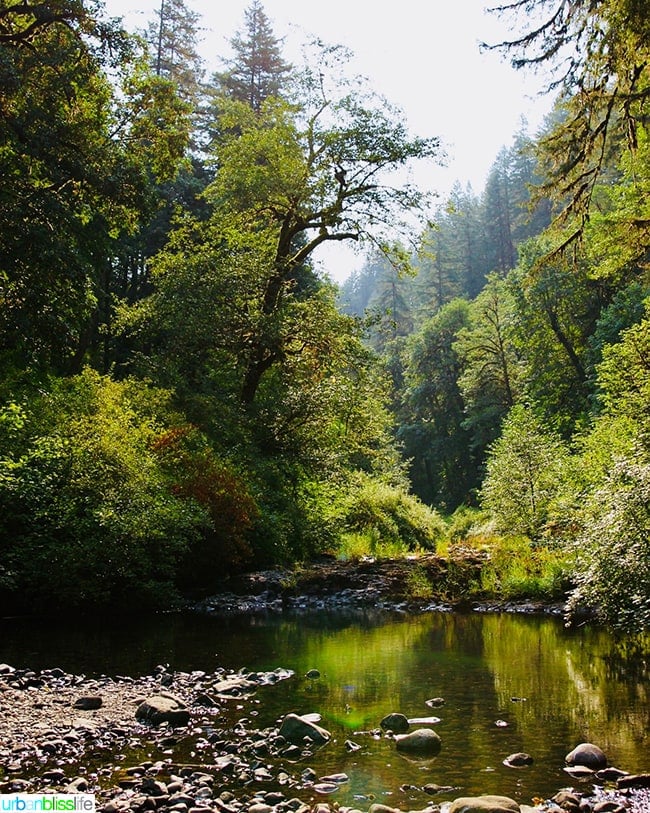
301	181
275	200
613	551
172	37
556	310
432	418
77	168
491	379
526	471
598	55
257	70
611	546
624	375
498	216
389	308
451	261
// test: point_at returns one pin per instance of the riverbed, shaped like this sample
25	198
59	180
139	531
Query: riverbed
502	683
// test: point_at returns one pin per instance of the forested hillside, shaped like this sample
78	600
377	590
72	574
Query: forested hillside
184	395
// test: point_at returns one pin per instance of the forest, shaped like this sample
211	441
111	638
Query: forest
184	394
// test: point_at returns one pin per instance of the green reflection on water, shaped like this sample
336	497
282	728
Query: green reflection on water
553	687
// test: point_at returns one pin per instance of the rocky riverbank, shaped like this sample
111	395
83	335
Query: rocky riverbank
167	742
388	584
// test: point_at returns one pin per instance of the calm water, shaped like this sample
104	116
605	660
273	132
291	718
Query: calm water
577	685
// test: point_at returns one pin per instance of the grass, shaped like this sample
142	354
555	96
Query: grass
480	564
357	545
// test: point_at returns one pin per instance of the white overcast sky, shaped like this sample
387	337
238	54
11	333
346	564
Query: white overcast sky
423	55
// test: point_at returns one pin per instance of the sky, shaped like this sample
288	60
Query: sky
422	55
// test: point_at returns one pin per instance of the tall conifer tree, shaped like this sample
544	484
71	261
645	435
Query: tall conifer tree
257	70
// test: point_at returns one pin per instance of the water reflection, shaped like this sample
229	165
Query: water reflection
553	687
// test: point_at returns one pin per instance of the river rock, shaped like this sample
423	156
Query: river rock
163	708
395	722
484	804
587	755
295	728
88	702
518	760
640	780
567	800
422	740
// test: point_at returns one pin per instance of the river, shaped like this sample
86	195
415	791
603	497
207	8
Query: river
510	683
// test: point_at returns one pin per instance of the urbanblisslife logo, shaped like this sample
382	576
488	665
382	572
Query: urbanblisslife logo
47	802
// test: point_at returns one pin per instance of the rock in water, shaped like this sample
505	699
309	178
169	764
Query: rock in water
395	722
163	708
518	760
294	729
587	755
484	804
422	740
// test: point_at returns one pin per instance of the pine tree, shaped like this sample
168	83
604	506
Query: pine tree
173	40
497	212
257	69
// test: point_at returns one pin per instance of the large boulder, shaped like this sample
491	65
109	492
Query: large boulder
295	728
587	755
422	741
484	804
163	708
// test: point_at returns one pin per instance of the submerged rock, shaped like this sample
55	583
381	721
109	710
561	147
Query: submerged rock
518	760
484	804
295	728
422	740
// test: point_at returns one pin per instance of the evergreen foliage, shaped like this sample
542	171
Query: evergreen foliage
257	69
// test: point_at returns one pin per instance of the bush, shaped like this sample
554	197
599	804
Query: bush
88	516
199	476
613	549
389	515
526	473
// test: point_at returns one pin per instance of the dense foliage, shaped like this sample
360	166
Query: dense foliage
185	394
182	397
531	403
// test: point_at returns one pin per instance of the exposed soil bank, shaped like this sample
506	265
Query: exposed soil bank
388	584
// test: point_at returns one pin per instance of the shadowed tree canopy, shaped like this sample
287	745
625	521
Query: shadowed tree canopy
77	166
597	54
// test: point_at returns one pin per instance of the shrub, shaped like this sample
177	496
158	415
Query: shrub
613	549
526	471
87	513
515	569
391	515
199	476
